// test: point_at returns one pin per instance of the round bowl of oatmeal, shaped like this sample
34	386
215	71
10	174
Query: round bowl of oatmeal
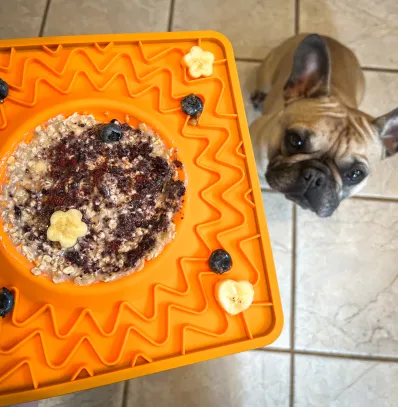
86	201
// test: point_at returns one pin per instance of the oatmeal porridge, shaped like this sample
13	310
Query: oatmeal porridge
87	201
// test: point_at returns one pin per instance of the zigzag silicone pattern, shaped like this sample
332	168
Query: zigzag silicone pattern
24	336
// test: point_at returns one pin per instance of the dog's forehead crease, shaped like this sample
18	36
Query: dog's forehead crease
325	116
356	142
336	130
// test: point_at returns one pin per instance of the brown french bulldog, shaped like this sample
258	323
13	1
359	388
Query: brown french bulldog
312	142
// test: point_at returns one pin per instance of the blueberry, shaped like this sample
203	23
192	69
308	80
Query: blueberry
220	261
17	211
73	257
192	105
111	133
104	191
3	90
6	302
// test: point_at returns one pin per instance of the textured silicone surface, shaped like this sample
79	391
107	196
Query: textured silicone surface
63	338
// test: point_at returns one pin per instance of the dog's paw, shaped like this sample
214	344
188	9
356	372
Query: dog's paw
257	98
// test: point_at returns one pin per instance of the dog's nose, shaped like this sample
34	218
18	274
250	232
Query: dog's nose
313	177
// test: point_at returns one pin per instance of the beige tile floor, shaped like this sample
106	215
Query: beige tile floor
338	277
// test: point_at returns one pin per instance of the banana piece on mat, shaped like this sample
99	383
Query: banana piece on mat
198	62
234	296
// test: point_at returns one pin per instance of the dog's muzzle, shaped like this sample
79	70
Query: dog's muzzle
308	183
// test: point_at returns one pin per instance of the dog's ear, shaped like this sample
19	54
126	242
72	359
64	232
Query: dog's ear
310	76
387	126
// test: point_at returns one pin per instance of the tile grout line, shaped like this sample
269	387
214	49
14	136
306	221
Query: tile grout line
171	15
382	70
296	16
293	304
125	394
356	198
368	358
374	199
253	60
349	356
271	191
44	20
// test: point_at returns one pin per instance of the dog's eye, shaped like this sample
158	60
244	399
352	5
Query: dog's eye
355	176
294	139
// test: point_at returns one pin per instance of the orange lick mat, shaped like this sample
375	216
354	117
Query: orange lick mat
62	338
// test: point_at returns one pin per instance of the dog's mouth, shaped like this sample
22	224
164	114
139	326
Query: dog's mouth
309	184
304	203
299	200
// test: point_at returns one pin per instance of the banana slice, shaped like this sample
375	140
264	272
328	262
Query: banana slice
66	227
198	62
234	296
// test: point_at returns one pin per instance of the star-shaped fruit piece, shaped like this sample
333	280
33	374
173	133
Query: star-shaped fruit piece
198	62
66	227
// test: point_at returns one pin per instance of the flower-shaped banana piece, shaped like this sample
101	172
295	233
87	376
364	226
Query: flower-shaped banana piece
66	227
199	62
